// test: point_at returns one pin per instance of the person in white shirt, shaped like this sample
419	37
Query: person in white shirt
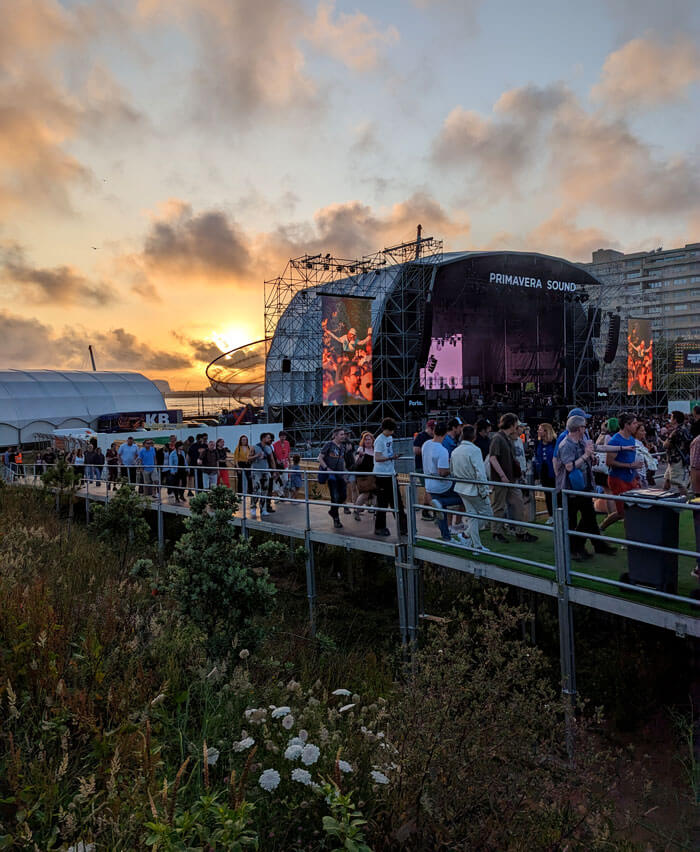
384	473
436	467
467	463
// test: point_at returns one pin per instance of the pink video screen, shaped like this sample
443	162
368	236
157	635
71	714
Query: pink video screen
443	368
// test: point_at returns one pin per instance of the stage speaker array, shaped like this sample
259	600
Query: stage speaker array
613	337
424	346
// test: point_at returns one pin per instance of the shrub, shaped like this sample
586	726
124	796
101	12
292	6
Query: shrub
479	739
219	580
121	524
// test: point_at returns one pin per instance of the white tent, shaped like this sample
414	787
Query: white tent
39	401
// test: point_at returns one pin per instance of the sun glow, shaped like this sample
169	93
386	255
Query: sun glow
231	337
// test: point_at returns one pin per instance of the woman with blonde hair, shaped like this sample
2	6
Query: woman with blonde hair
543	462
364	465
241	462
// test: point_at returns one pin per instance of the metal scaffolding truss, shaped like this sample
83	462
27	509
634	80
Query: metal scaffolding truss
398	278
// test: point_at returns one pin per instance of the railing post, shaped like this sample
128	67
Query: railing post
395	491
309	558
244	489
305	474
161	536
567	658
87	500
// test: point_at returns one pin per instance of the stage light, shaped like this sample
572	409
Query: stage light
326	267
351	269
309	266
339	268
377	271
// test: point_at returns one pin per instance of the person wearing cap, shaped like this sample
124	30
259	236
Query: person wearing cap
579	412
623	466
505	469
421	438
576	453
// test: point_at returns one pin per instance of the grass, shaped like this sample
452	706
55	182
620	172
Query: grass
606	567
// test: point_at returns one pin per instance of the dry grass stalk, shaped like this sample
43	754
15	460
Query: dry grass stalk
336	769
206	766
244	776
176	786
232	789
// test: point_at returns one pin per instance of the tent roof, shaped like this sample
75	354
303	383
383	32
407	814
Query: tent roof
54	396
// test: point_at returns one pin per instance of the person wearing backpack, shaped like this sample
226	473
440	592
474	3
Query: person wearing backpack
575	472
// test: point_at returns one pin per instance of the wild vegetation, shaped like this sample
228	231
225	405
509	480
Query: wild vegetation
178	702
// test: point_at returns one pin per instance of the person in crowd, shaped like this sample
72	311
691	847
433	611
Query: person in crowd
623	465
384	472
210	465
222	452
294	482
366	481
172	441
189	441
177	479
695	465
544	462
576	453
261	464
19	463
483	437
695	422
128	454
147	461
332	458
79	464
282	449
7	463
505	469
643	453
241	461
468	463
454	427
426	435
436	464
351	477
677	447
195	460
98	463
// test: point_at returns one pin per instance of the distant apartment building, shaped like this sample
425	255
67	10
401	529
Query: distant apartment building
662	286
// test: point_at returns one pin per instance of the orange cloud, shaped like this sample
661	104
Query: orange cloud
645	72
353	39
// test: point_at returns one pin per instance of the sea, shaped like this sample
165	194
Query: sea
200	405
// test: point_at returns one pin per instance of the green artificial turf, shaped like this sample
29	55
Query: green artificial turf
607	567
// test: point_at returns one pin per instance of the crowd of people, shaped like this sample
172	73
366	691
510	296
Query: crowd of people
601	459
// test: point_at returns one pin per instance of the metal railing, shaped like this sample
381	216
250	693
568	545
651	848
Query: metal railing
260	487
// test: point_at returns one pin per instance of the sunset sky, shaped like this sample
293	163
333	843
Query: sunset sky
159	159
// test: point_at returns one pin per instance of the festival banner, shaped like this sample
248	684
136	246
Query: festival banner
347	350
640	377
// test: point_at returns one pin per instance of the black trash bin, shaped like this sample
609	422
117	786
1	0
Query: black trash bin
653	525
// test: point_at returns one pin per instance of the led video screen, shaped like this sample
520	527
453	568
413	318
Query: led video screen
640	376
443	369
491	329
346	322
687	357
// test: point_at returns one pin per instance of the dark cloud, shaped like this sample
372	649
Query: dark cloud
26	342
204	350
59	285
207	243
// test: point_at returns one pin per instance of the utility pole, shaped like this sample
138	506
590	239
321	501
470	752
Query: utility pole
92	358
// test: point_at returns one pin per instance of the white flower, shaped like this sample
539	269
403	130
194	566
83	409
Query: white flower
244	744
379	777
356	698
310	754
244	653
340	692
303	735
302	776
288	722
346	707
278	712
296	741
212	756
269	780
344	766
159	699
82	847
293	752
